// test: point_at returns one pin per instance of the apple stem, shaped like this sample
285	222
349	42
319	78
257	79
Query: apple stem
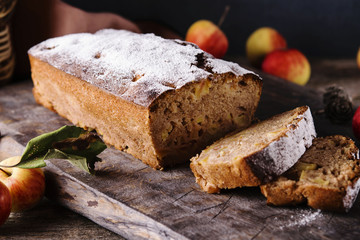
223	16
5	172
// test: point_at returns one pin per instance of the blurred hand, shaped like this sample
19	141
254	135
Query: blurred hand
37	20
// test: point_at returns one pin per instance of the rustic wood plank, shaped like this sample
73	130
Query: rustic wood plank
171	198
49	220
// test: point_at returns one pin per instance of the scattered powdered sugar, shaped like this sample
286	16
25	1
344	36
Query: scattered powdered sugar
136	67
304	218
301	218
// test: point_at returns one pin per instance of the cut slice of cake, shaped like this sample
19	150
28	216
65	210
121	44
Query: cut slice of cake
326	177
257	154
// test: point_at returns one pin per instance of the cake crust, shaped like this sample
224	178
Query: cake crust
51	88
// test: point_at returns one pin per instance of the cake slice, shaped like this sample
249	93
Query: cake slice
160	100
326	177
257	154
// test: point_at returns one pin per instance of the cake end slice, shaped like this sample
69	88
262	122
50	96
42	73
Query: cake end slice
326	177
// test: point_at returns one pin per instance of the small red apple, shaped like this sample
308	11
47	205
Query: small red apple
261	42
356	123
358	58
26	186
208	37
5	203
289	64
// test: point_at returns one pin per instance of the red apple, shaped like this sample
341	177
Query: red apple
26	186
356	123
208	37
289	64
5	203
261	42
358	58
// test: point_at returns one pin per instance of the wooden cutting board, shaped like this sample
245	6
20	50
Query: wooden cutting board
137	202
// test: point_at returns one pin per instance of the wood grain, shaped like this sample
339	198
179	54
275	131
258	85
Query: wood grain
138	202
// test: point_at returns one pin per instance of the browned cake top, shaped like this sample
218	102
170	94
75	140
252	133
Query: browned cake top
136	67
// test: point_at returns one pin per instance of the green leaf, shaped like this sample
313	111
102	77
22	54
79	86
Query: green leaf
75	144
79	161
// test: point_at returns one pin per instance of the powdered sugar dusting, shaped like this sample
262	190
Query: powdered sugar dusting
290	148
302	218
283	153
351	194
352	190
136	67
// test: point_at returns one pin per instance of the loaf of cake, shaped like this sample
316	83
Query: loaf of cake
257	154
326	177
160	100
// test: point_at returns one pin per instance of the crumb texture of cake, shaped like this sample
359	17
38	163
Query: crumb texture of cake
326	177
257	154
160	100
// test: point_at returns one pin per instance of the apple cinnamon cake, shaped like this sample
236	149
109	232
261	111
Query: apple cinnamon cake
160	100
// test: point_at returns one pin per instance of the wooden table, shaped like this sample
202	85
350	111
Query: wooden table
49	220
